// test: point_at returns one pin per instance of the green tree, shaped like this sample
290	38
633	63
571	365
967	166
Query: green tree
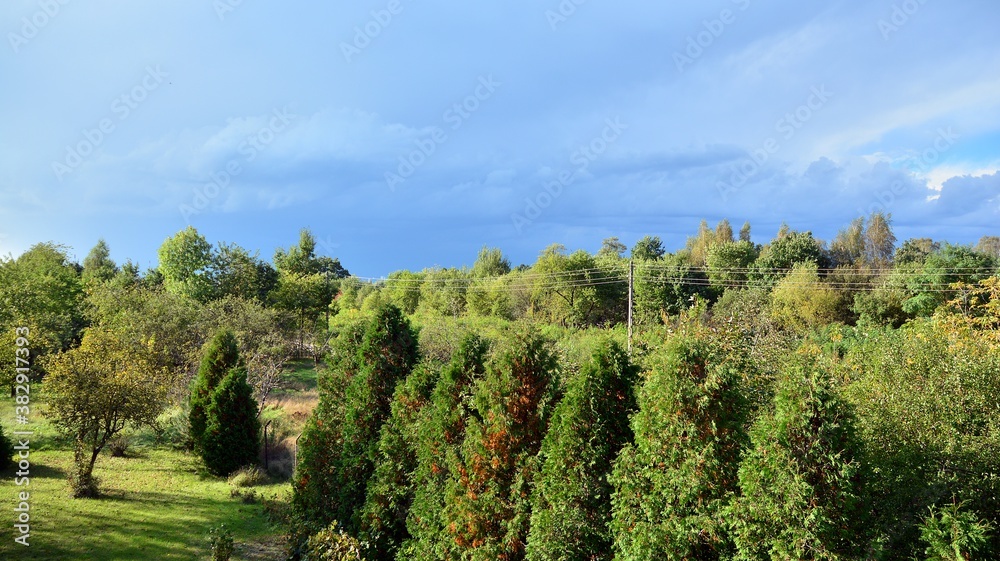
952	264
955	534
649	248
571	505
185	261
488	507
880	242
729	263
801	485
673	483
745	232
989	246
779	257
490	263
848	248
238	273
438	454
96	390
916	250
232	431
221	355
98	265
723	232
800	301
612	247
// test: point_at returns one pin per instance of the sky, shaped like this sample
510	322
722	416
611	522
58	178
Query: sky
410	134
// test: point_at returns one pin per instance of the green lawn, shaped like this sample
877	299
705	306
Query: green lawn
159	503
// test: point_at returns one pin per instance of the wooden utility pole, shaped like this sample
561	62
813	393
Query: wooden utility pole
631	275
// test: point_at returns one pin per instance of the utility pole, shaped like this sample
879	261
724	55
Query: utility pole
631	275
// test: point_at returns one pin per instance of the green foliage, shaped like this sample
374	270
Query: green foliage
98	266
232	430
99	388
354	404
667	287
955	534
800	301
488	499
801	485
185	261
333	544
784	252
673	483
649	248
729	263
571	505
952	264
223	545
439	443
925	397
221	355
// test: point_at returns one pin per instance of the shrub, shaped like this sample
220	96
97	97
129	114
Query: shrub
801	482
250	476
222	542
221	355
333	544
118	446
955	534
572	503
232	433
672	485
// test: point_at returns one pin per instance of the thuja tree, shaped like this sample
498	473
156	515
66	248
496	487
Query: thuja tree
391	488
673	484
801	481
333	480
320	444
488	506
571	508
232	430
220	356
438	452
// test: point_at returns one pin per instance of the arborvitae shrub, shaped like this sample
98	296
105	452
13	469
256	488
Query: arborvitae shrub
801	485
442	431
341	445
488	506
220	356
571	508
232	432
673	484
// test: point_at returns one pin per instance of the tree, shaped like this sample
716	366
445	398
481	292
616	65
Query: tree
564	290
98	389
672	485
801	301
490	263
848	248
232	431
98	265
238	273
698	245
729	263
488	507
916	250
989	246
438	453
801	487
221	355
779	257
612	247
6	450
745	232
185	261
880	242
723	232
649	248
571	504
952	264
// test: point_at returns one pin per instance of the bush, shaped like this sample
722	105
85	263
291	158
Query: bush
221	355
118	446
232	433
222	542
801	482
955	534
333	544
250	476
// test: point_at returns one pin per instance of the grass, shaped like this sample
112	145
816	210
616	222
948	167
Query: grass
157	503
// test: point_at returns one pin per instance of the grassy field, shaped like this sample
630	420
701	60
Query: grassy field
157	503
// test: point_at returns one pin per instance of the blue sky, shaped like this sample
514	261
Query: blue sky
409	134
